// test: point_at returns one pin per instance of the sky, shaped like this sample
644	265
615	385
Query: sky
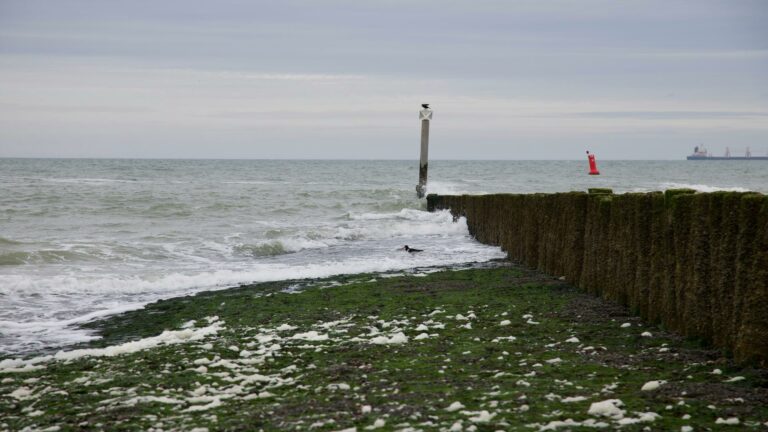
508	79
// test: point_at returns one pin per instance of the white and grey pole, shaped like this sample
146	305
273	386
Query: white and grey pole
425	115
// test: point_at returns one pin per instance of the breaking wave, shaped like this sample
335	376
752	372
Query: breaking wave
703	187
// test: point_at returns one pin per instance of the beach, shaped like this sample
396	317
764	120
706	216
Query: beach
492	348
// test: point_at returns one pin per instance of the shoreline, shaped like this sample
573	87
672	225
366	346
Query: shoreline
98	319
515	348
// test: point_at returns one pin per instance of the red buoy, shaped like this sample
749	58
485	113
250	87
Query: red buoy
592	164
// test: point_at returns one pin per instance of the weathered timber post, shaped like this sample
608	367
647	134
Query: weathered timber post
425	115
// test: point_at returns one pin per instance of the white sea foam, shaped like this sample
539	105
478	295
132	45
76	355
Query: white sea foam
402	224
105	294
703	187
450	188
84	284
89	180
168	337
404	214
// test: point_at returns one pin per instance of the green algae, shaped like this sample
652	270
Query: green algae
566	344
599	191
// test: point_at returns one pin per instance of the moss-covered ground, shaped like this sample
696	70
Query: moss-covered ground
481	349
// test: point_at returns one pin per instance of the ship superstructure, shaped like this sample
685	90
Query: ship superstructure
700	153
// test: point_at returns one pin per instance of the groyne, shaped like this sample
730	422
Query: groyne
697	263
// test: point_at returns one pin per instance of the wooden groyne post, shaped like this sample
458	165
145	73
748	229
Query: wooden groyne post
425	115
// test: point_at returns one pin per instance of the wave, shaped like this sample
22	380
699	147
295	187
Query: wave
277	247
83	284
260	250
168	210
41	257
448	188
50	298
403	214
363	226
8	242
407	222
91	180
703	187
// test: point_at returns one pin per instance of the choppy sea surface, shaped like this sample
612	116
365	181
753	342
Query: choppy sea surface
81	238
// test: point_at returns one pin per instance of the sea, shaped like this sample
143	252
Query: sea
82	239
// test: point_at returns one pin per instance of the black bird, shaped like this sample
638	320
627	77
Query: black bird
412	250
425	105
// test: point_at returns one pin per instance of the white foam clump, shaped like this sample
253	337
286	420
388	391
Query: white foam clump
728	421
572	399
21	393
455	406
168	337
379	423
338	386
641	418
573	340
310	336
397	338
505	323
607	408
482	417
570	423
286	327
215	403
421	336
652	385
148	399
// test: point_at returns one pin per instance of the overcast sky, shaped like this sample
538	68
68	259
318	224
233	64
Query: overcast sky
538	79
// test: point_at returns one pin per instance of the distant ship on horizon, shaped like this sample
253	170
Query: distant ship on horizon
700	153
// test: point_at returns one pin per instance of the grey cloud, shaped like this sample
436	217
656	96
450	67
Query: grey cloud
672	114
316	77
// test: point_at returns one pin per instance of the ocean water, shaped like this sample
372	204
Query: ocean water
81	239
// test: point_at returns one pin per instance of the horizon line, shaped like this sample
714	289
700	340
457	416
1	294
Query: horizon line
316	159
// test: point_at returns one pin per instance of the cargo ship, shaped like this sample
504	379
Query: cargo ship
700	153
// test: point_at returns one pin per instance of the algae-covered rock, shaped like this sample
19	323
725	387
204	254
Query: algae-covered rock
599	191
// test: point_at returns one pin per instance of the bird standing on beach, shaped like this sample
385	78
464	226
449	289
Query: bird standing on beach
412	250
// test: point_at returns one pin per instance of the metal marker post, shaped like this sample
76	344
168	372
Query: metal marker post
425	115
